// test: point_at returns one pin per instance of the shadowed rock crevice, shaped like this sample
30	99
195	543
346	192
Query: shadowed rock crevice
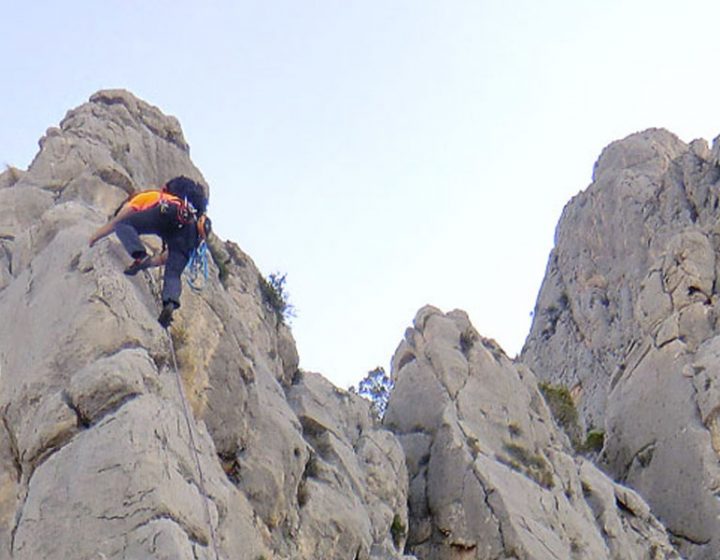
12	446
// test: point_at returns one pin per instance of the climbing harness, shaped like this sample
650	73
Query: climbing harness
197	267
193	448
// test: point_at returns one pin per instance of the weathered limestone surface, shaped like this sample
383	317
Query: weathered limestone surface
491	475
607	238
100	441
96	457
367	462
627	318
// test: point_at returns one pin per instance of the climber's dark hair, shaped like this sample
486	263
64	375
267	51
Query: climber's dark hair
186	188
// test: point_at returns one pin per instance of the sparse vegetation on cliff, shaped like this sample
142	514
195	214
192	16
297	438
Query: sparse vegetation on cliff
276	297
376	387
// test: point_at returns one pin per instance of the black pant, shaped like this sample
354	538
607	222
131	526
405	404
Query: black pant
180	239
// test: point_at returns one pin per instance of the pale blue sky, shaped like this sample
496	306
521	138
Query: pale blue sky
384	154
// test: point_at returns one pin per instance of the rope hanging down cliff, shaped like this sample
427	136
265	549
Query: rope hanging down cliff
193	448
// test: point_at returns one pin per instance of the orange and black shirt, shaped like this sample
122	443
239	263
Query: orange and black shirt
148	199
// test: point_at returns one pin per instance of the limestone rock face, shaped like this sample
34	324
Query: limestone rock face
627	319
104	452
491	475
121	440
368	463
607	238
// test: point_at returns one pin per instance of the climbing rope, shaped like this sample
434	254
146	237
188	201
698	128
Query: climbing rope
193	447
196	271
155	289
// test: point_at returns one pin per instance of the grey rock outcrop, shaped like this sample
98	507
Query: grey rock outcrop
97	460
491	475
627	318
584	321
106	453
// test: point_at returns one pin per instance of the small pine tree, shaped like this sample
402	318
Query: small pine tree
276	296
376	387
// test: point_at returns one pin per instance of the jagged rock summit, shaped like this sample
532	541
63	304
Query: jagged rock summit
491	474
121	441
627	320
96	457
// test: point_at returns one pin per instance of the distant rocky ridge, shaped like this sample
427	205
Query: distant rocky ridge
96	461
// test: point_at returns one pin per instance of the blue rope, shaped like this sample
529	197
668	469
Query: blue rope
197	267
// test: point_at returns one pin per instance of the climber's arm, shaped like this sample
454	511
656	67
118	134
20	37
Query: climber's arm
108	228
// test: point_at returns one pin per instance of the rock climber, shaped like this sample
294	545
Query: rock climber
176	213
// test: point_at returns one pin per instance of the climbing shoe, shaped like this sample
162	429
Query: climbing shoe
166	314
141	263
